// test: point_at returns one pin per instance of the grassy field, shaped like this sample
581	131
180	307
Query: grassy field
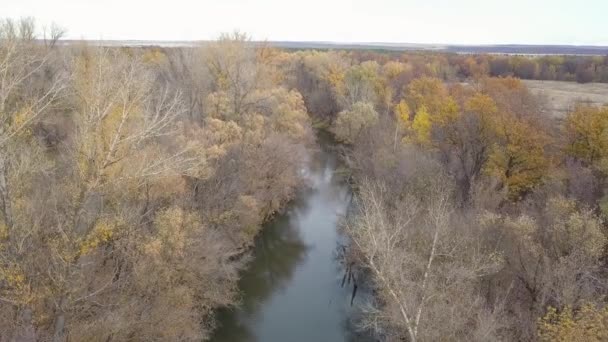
562	96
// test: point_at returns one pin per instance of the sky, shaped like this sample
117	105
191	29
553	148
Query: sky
578	22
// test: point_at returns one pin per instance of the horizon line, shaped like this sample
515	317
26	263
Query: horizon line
328	42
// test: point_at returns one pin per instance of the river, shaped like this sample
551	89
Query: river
291	291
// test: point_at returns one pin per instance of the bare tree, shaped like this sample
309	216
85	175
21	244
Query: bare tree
51	35
21	64
420	258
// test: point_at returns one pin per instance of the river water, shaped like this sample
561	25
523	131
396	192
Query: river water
292	288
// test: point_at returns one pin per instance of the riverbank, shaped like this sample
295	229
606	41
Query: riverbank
291	289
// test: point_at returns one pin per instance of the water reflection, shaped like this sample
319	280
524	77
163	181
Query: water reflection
291	290
277	250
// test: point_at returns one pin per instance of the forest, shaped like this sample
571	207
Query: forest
462	66
133	181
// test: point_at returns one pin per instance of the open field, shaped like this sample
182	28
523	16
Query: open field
561	96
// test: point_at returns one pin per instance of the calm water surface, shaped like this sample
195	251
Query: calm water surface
292	289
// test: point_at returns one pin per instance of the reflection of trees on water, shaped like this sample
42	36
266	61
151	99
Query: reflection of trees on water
231	329
278	250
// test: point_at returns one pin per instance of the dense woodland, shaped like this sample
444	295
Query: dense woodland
452	66
133	181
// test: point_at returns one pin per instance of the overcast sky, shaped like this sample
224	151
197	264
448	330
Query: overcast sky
429	21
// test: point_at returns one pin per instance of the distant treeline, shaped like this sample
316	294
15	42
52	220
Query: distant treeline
582	69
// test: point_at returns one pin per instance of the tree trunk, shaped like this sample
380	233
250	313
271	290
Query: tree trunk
5	203
59	333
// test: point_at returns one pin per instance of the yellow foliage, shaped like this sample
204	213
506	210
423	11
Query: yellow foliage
222	132
433	108
289	113
429	92
165	187
335	77
20	120
115	124
174	227
402	114
588	324
13	275
448	112
505	83
255	128
574	229
219	105
481	104
3	231
15	283
518	159
108	109
222	81
101	233
421	127
392	69
587	133
154	57
564	230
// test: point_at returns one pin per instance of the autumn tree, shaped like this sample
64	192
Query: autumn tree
350	123
428	92
25	96
512	96
236	75
552	259
465	141
74	267
361	84
586	131
319	77
587	323
416	254
518	158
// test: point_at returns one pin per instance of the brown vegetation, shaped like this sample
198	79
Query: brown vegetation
562	97
133	180
478	215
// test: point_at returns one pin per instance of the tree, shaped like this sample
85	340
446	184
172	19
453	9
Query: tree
418	260
402	118
465	141
518	158
552	258
512	96
23	98
361	84
53	34
350	123
232	62
428	92
319	77
586	130
429	98
67	269
421	127
587	323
